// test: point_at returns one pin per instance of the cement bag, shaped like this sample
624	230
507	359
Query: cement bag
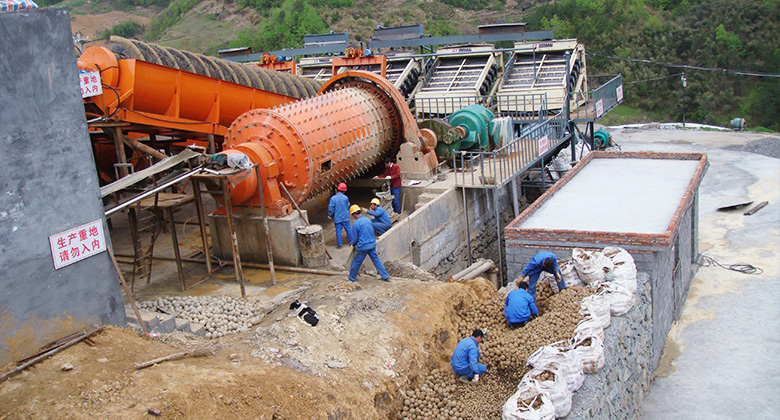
620	299
556	387
598	307
589	327
591	351
560	355
591	266
530	402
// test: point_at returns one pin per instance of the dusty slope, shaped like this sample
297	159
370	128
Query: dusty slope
370	343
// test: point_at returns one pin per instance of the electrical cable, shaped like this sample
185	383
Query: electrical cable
654	79
118	99
707	261
685	66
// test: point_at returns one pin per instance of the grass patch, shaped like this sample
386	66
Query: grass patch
624	114
760	129
199	33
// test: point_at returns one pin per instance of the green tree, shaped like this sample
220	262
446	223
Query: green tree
285	28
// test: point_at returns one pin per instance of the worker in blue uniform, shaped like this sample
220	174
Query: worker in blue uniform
519	305
364	241
465	358
542	261
338	210
380	219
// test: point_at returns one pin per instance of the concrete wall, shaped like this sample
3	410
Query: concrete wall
438	230
616	391
250	233
48	184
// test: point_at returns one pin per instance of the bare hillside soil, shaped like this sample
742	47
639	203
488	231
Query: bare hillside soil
371	343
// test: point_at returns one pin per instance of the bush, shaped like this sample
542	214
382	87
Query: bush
127	29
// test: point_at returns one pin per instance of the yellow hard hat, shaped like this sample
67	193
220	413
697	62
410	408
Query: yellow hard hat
354	209
375	201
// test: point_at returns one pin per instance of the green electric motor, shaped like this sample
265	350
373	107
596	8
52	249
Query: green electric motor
475	121
601	139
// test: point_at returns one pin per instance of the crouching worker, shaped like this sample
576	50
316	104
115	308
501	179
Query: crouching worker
519	306
380	219
465	358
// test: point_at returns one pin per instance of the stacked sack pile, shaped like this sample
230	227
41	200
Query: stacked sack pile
558	369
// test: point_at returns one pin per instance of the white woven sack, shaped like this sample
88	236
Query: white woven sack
620	299
625	268
588	327
557	389
597	307
515	407
560	355
570	275
591	351
591	266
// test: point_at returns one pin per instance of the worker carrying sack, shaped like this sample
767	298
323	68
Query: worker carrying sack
591	351
560	355
553	383
530	402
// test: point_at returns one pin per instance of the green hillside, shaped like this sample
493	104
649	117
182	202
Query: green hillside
718	34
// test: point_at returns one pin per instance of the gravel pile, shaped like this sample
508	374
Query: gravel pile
220	315
768	146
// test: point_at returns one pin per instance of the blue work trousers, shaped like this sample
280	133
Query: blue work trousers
533	278
380	227
345	226
357	261
468	373
396	199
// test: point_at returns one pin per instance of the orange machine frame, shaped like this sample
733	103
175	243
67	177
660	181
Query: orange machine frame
140	92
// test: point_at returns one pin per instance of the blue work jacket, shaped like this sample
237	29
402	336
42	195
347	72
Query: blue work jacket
363	234
338	208
534	267
519	306
465	358
380	215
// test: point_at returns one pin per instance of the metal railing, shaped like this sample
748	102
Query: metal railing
598	102
493	169
531	108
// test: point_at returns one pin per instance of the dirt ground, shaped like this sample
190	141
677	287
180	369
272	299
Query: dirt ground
371	343
90	25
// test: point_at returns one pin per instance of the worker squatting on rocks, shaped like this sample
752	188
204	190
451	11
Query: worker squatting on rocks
393	173
542	261
380	219
338	210
519	305
465	358
364	241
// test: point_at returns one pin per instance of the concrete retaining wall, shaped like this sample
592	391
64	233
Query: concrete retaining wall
616	391
48	185
437	231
